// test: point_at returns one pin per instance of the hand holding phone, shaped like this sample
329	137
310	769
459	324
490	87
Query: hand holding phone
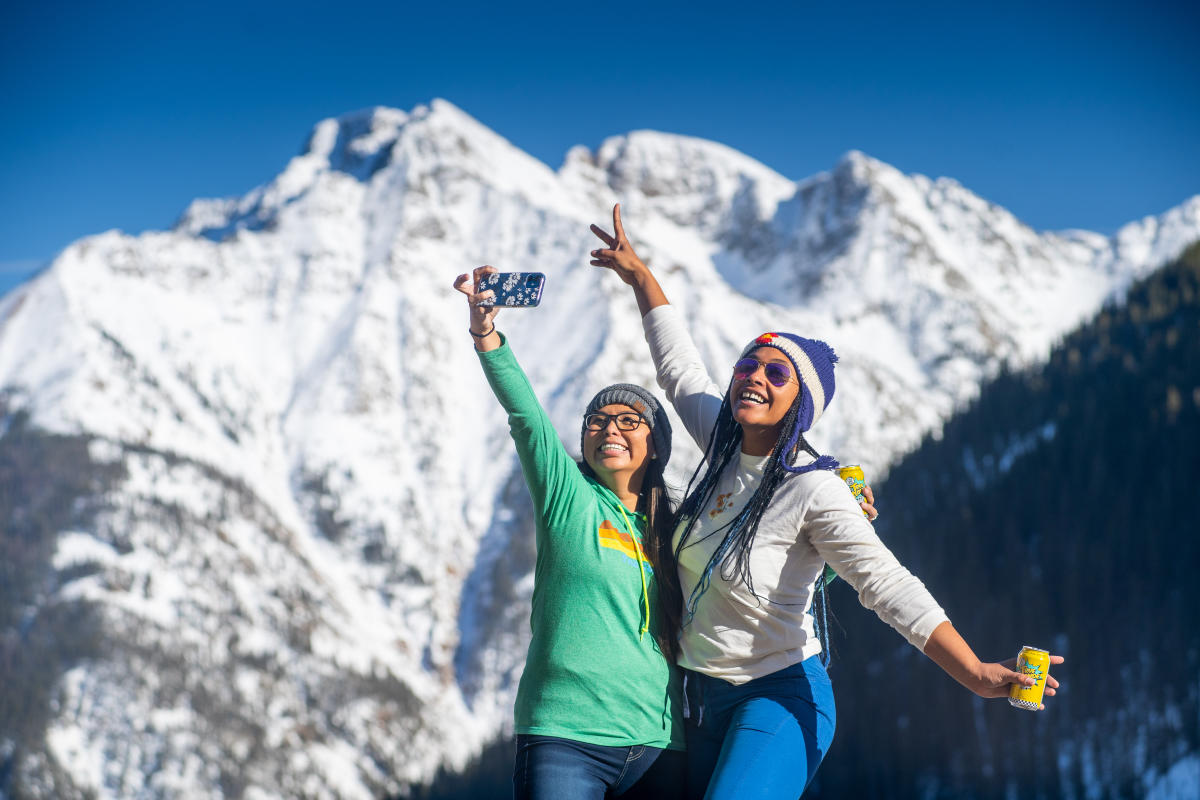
513	289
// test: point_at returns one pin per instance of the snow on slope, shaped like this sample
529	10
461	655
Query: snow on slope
321	542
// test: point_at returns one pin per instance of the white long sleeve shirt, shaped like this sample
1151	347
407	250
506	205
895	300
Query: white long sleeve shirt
812	520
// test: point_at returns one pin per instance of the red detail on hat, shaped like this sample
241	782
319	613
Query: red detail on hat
766	338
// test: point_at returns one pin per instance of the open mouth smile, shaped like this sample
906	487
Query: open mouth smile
751	396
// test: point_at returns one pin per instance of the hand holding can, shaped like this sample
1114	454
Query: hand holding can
1035	663
853	475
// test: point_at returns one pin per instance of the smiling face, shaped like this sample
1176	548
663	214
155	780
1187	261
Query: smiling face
758	405
611	450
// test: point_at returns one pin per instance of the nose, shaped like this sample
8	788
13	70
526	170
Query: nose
759	369
611	424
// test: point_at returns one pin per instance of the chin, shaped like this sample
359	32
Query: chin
609	464
750	416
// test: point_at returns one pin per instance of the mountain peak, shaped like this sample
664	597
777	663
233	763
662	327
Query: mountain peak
435	142
365	130
655	162
858	168
857	159
690	181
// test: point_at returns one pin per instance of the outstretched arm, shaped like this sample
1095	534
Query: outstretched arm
951	652
551	474
619	256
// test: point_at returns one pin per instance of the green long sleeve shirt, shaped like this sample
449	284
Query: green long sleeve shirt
591	675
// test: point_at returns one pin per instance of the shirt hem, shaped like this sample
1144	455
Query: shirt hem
603	741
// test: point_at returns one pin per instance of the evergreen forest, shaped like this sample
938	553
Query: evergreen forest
1053	512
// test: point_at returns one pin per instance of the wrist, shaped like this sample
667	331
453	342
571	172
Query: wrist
640	273
647	290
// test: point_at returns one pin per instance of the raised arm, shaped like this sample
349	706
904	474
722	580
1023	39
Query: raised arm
619	256
552	476
682	374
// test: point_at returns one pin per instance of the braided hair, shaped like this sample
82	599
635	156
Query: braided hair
732	557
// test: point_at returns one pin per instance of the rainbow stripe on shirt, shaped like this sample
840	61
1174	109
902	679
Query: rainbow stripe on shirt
623	543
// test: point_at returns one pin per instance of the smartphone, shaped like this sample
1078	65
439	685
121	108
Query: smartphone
514	289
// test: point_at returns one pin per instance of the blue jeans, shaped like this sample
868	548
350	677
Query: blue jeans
763	739
550	768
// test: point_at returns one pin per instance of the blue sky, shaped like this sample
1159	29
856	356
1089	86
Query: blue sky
1072	116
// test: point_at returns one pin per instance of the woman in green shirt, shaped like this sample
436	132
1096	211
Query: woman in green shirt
598	706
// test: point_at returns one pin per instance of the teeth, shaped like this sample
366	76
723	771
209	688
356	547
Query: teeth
753	397
614	447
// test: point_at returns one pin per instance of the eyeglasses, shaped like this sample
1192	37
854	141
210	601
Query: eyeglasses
626	421
777	372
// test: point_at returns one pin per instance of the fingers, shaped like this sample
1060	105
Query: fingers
486	269
468	284
1051	681
603	258
617	227
868	495
869	510
1008	675
604	237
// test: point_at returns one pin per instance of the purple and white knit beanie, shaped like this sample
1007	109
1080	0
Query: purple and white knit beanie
813	362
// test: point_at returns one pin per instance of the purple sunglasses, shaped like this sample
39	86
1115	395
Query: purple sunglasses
777	372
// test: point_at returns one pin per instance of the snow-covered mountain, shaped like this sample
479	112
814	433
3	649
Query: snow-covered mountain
312	572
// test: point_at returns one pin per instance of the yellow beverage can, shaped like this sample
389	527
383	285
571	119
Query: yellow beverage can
852	474
1035	662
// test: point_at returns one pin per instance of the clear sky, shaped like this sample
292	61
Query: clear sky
1071	115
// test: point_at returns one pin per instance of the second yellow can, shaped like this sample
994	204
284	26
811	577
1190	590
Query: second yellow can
1035	662
852	474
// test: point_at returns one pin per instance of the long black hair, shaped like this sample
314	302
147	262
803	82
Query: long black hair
654	501
733	555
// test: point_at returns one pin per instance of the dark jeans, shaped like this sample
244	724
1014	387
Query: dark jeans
550	768
763	739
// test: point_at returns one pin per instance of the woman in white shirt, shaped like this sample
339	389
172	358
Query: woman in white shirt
762	516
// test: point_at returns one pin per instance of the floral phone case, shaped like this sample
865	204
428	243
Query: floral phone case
514	289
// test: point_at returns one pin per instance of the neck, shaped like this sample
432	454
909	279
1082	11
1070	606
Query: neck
759	441
627	486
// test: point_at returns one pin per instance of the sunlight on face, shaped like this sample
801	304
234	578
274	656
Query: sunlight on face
613	450
757	403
